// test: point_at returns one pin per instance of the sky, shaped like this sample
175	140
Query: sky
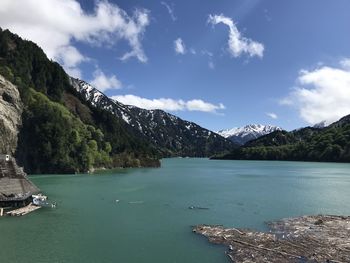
221	64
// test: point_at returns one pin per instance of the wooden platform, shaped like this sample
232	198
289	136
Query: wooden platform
23	210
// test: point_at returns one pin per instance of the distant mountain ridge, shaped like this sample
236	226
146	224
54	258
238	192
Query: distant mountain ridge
328	144
247	133
169	133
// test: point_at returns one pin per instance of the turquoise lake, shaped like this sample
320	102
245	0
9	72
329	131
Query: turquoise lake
152	222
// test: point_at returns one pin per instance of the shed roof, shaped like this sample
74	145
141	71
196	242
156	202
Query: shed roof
16	189
14	184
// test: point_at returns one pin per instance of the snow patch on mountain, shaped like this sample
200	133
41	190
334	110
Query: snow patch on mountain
241	135
166	131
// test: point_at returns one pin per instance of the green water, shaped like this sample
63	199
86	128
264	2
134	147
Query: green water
88	225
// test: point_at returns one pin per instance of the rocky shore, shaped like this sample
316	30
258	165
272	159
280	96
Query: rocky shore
321	238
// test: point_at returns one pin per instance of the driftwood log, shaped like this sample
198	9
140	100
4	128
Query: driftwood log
322	238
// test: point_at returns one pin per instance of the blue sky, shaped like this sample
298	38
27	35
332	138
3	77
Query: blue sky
298	77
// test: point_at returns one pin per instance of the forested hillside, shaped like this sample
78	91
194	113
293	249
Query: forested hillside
329	144
69	126
60	131
171	135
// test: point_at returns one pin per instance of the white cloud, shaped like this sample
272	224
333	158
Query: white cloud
169	104
199	105
103	82
345	63
207	53
272	115
323	94
170	10
237	43
70	58
55	24
179	46
211	65
287	101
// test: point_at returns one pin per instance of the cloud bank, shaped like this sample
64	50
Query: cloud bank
237	44
169	104
55	24
322	94
345	63
179	46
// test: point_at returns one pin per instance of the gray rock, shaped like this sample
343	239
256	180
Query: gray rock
11	109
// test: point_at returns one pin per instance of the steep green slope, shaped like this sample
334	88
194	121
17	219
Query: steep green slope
52	139
109	133
61	132
330	144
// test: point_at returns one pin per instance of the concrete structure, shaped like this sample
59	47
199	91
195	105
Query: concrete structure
16	189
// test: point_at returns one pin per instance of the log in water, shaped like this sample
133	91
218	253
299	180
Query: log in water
303	239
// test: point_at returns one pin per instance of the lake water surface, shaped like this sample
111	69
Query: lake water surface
152	222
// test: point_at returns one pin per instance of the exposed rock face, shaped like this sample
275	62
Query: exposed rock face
11	108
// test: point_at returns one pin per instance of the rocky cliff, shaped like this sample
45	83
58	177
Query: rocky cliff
11	109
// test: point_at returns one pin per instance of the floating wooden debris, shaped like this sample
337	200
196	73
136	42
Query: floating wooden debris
136	202
192	207
23	210
303	239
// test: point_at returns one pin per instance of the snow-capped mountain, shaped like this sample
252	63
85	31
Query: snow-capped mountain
170	134
247	133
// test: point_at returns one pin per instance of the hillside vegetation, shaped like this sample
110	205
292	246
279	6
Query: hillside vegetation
171	135
330	144
61	132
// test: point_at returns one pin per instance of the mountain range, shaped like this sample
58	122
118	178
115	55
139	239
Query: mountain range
53	123
247	133
171	135
65	125
328	144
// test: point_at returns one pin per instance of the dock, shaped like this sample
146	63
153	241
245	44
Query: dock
23	210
